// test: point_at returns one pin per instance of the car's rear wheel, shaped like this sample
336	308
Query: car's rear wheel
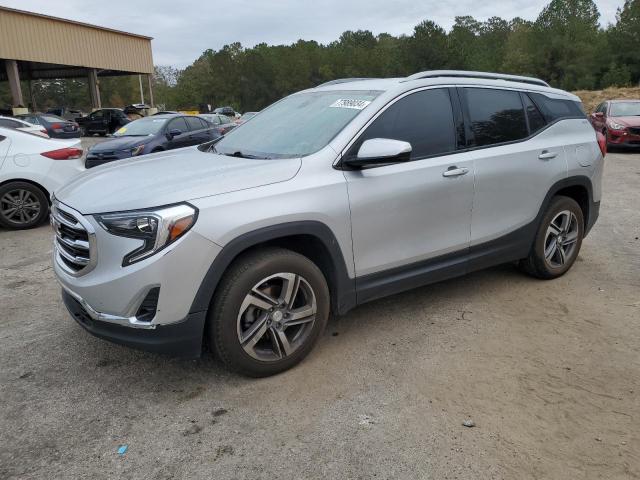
22	205
268	312
558	240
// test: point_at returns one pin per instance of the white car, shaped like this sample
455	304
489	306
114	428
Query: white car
31	169
18	124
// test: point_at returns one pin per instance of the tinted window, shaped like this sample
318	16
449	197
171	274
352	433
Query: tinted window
193	123
52	118
31	119
178	124
556	108
97	115
424	119
535	118
496	116
5	122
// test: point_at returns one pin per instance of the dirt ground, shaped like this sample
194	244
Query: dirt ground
548	371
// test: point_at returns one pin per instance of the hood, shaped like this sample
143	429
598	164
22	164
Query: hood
169	177
633	121
120	143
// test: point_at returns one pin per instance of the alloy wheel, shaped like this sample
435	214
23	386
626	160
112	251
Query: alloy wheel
561	239
276	317
19	206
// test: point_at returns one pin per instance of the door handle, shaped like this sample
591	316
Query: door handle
455	171
547	155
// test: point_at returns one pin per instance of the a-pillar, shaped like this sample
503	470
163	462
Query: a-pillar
94	89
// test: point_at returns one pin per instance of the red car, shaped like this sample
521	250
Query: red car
619	121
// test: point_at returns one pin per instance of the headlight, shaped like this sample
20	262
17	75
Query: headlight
616	126
158	228
137	150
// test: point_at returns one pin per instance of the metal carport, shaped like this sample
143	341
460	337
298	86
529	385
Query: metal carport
35	46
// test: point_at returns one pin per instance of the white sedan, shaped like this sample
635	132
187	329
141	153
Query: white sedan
31	169
19	124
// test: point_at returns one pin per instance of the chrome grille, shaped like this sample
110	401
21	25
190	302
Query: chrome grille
74	242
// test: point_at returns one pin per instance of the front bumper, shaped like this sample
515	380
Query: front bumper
183	339
623	138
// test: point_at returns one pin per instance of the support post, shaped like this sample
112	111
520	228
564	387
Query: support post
151	104
141	90
14	83
94	89
32	98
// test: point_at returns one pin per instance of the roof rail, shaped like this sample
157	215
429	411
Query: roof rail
342	80
485	75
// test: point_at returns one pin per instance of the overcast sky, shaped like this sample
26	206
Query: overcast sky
183	29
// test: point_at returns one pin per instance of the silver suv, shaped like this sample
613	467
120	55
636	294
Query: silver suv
329	198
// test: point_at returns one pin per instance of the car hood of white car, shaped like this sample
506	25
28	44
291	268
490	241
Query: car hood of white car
169	177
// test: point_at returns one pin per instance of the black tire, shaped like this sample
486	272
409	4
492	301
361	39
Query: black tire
536	264
224	317
31	218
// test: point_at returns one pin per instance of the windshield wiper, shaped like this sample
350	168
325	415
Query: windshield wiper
239	154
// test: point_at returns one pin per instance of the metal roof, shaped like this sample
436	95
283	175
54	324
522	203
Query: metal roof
56	47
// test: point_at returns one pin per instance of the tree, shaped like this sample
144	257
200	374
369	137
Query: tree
624	38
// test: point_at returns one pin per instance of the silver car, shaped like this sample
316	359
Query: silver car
331	197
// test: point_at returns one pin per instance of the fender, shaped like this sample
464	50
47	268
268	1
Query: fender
342	287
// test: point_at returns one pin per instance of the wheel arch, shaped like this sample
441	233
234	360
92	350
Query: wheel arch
312	239
580	189
32	182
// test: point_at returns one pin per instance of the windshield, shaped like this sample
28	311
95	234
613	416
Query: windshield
297	126
625	109
141	127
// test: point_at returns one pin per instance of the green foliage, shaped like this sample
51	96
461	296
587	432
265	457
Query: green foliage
565	45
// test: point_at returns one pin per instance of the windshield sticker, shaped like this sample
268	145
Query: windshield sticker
350	103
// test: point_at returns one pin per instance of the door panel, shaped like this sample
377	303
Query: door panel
409	212
405	213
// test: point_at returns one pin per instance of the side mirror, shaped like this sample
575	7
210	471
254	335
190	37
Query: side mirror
174	132
380	151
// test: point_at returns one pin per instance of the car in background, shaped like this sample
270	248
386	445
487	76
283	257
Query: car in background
244	117
150	135
228	111
33	169
19	124
103	122
619	122
55	126
222	123
67	113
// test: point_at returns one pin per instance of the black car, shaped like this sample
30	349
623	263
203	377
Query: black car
152	134
55	126
228	111
103	121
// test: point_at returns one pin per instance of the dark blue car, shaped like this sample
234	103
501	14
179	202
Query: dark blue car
152	134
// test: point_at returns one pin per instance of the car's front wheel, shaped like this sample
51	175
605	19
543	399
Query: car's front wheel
557	241
22	205
268	312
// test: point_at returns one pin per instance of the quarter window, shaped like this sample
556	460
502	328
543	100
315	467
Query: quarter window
424	119
496	116
557	108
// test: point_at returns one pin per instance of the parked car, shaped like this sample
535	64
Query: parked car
67	113
31	169
619	122
19	124
222	123
55	126
152	134
329	198
228	111
244	117
103	122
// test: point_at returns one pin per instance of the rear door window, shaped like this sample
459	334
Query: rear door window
534	117
193	123
424	119
496	116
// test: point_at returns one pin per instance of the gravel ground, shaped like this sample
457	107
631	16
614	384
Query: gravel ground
549	372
